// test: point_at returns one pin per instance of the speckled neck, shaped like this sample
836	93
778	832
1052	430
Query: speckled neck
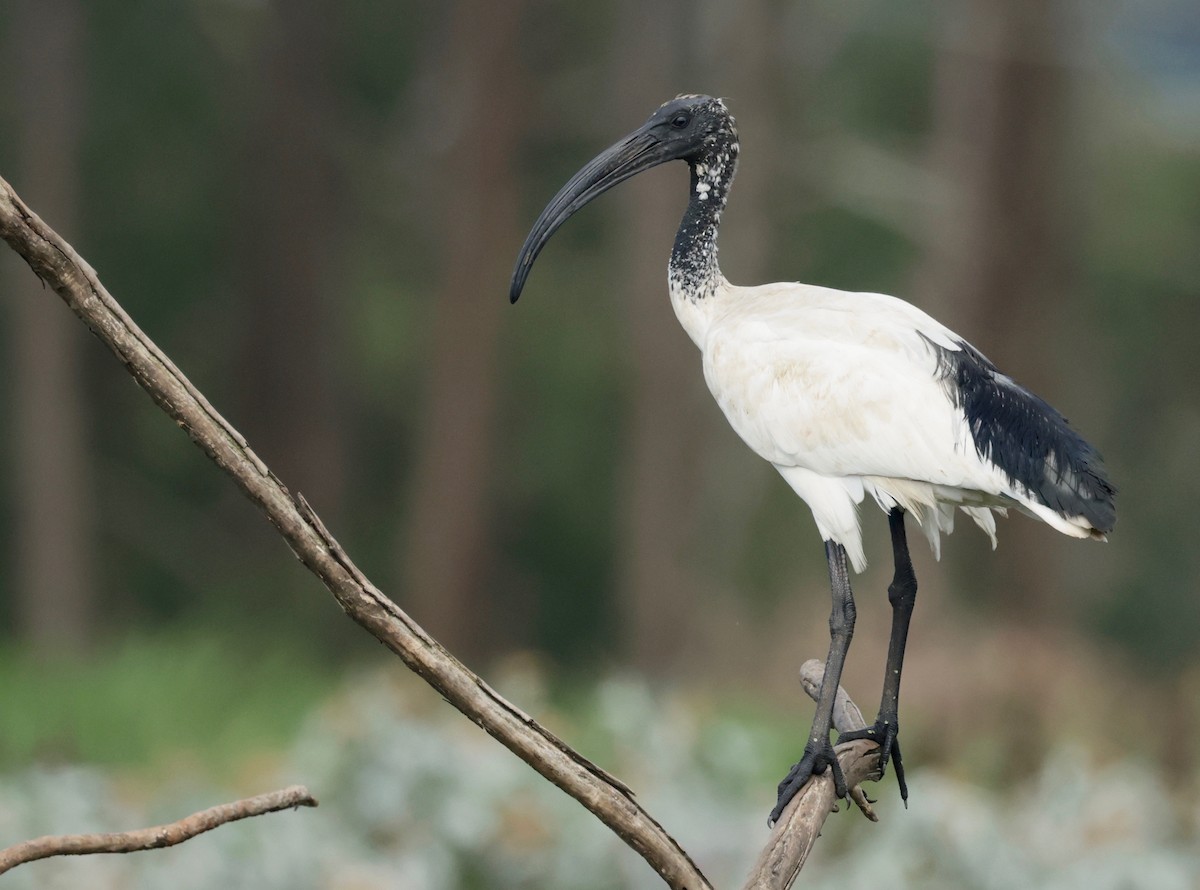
693	273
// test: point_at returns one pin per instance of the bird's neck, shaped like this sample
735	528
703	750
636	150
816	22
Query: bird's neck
693	273
694	278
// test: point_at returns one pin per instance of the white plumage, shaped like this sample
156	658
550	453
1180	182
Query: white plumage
840	393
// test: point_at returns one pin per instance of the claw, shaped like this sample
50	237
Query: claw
817	758
884	734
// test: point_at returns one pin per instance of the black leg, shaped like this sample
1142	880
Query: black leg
818	753
902	594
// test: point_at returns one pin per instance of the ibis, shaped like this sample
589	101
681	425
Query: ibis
847	395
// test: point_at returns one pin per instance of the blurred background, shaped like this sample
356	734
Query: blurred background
314	208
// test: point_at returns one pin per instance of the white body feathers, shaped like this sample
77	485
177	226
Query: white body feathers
841	393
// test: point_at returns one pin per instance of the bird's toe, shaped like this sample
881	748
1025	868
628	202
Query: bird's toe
817	758
884	732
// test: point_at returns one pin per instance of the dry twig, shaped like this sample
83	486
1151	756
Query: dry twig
56	263
154	838
800	825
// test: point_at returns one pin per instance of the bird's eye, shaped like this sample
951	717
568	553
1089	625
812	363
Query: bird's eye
681	120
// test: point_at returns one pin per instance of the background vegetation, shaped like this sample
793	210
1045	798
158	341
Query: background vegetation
314	207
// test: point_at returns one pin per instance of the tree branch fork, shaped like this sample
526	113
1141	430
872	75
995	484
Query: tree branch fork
55	262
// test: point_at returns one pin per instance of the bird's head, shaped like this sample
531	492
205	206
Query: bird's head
688	128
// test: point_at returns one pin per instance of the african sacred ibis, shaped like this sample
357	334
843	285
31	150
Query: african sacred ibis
847	395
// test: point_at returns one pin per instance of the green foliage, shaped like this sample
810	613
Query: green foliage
150	700
882	80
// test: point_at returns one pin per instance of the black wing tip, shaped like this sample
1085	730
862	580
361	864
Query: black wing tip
1027	439
1092	498
1101	506
1075	480
1108	521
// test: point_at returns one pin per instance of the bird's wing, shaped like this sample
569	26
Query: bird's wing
1055	468
867	385
842	385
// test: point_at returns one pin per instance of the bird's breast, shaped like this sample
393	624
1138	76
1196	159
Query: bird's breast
795	409
837	408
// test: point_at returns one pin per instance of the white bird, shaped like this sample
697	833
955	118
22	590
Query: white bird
847	395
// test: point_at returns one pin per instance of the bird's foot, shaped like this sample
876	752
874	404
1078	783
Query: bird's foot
884	733
818	756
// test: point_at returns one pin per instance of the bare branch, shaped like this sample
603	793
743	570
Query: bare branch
846	718
800	825
160	836
846	715
57	263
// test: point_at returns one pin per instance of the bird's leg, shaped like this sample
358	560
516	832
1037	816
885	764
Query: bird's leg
902	594
818	753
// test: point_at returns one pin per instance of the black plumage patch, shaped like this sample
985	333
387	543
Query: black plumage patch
1026	438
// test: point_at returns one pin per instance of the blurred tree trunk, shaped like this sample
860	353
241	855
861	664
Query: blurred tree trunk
52	475
999	268
747	71
742	46
447	545
658	473
673	422
289	227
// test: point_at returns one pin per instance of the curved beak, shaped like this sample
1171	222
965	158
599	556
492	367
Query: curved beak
638	151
